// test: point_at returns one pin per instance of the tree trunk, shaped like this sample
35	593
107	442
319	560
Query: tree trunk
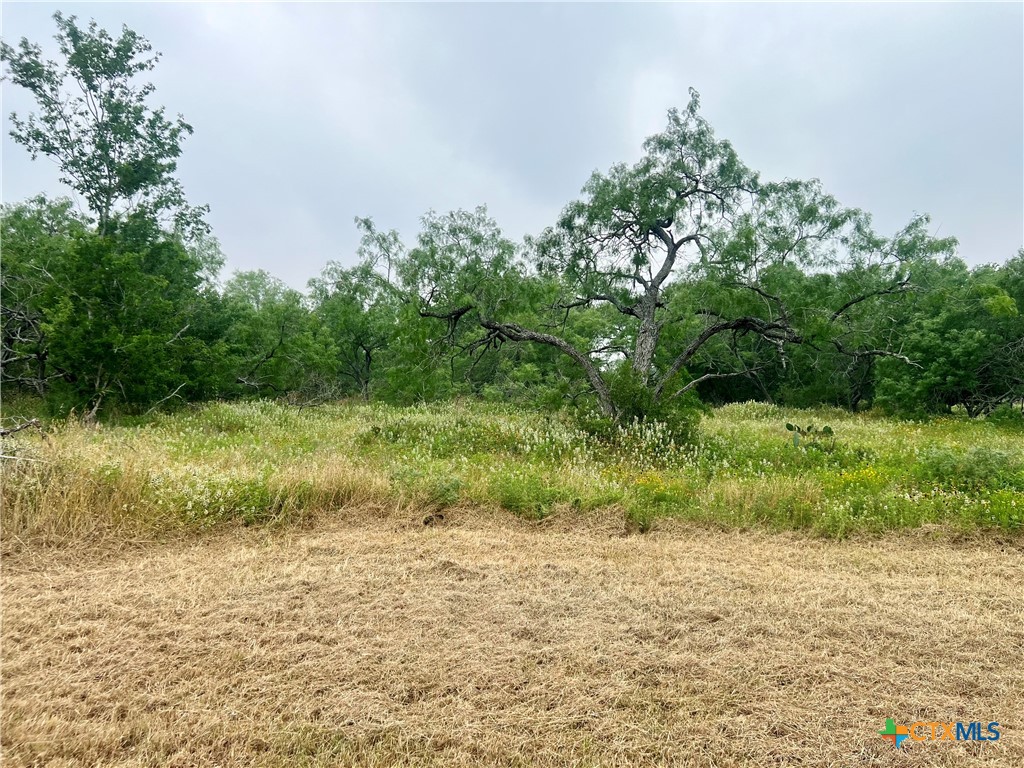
646	337
366	380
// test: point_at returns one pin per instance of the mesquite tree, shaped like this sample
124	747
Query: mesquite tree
686	246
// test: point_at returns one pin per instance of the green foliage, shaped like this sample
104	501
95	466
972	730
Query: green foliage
967	339
811	436
526	493
1008	416
112	148
636	402
770	268
121	312
974	470
272	341
679	279
265	462
119	318
358	311
37	238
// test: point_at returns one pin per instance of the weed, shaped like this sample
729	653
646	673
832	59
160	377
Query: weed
260	462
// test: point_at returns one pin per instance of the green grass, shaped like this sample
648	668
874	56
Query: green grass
260	461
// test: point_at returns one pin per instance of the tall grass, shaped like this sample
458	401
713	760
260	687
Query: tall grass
262	462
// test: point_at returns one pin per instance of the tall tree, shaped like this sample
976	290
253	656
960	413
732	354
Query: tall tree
114	149
121	310
688	246
966	334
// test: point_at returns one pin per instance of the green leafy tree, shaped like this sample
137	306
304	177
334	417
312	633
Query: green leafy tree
37	239
90	319
687	247
271	336
850	318
94	120
118	316
116	308
358	308
965	334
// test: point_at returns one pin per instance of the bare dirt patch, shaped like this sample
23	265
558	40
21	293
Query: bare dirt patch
381	641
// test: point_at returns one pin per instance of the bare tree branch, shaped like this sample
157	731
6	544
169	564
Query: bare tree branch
900	287
27	425
516	332
711	376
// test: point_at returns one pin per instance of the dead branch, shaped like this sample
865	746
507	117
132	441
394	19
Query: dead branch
27	425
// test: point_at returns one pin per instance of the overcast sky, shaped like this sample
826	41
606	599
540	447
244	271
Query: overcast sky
307	115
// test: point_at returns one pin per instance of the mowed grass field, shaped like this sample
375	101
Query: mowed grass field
250	584
372	639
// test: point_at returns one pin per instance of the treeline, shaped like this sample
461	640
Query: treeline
679	278
135	317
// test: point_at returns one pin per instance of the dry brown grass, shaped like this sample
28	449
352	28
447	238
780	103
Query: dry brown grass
375	640
71	490
58	492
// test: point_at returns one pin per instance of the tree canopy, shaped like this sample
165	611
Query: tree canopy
682	277
684	248
95	121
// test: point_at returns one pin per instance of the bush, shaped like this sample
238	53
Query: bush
978	469
635	402
674	421
431	491
1007	416
526	493
653	495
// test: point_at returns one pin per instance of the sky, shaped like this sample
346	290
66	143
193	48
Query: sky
307	115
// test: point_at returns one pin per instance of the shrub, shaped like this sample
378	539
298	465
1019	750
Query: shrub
652	495
635	402
526	493
427	489
980	468
1007	416
646	433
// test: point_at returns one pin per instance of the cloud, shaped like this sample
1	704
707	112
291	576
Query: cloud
307	115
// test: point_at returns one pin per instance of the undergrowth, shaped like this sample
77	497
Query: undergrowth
263	462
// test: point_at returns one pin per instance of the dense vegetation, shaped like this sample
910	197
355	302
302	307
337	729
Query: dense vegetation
682	277
265	462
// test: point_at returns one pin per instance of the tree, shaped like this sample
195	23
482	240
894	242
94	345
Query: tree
687	247
116	308
37	238
358	308
112	148
356	312
119	315
271	335
966	332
